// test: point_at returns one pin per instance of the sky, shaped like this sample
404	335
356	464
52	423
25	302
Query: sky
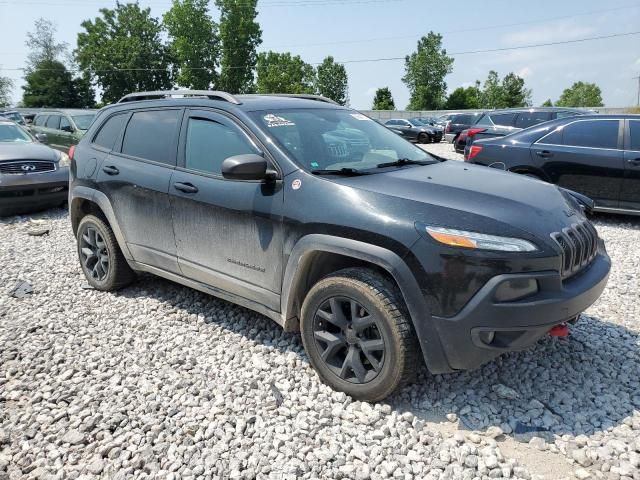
354	30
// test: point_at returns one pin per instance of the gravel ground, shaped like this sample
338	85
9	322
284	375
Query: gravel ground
160	381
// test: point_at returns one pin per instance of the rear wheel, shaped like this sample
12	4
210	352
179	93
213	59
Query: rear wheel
358	335
102	262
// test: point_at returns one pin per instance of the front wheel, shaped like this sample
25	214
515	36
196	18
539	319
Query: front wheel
424	138
357	334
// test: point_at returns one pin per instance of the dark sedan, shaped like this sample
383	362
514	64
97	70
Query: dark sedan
414	130
596	155
32	176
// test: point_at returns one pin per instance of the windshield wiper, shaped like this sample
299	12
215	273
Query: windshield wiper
338	171
405	161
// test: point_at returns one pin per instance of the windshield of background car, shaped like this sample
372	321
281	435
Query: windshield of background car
416	123
320	139
83	122
14	133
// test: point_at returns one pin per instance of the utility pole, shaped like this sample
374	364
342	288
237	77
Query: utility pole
638	101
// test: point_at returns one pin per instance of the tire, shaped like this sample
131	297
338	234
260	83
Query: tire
424	138
369	358
102	262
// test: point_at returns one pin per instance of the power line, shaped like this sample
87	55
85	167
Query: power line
276	3
387	59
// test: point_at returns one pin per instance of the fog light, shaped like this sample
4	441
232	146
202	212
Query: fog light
487	337
516	289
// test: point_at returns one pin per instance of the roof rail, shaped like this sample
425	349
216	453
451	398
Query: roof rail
211	94
305	96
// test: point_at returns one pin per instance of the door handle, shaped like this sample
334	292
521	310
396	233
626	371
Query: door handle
185	187
110	170
544	153
634	161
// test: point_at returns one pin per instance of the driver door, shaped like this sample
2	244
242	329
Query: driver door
229	233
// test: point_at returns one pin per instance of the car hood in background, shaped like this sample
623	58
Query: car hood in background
27	151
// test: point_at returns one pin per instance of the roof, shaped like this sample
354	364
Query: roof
535	109
68	111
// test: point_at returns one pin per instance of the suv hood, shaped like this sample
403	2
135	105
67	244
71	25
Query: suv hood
27	151
477	198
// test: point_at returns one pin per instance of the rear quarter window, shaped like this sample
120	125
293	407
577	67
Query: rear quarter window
109	131
151	135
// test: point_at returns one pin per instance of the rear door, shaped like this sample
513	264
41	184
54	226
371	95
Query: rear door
135	177
228	232
585	156
65	134
52	129
630	196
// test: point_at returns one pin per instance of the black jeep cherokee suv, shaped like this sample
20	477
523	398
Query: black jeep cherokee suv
329	223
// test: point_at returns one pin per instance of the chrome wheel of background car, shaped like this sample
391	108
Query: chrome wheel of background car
349	340
95	255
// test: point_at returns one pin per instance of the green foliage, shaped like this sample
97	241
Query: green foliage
332	81
6	87
581	94
240	35
508	93
51	84
425	70
283	73
463	98
383	100
122	52
42	43
547	103
193	43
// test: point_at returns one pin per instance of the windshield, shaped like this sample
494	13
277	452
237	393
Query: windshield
15	116
83	122
14	133
336	139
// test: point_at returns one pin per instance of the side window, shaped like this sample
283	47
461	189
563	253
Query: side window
40	121
209	143
564	113
109	131
553	138
151	135
528	119
54	122
592	133
504	119
634	127
404	123
391	122
65	123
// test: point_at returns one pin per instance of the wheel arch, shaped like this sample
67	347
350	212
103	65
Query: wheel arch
528	169
316	255
85	201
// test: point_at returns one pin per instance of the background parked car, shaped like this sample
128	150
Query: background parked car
32	176
459	122
433	122
63	127
13	116
499	123
414	130
596	155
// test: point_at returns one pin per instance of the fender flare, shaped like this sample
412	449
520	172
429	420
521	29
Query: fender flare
300	261
85	193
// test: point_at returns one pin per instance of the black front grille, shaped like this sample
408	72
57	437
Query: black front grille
26	166
579	245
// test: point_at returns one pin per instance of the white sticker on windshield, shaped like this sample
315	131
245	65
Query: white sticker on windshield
276	121
359	116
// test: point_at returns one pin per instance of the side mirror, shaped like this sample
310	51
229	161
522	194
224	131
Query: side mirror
42	138
245	167
67	128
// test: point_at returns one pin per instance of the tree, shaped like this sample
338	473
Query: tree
283	73
547	103
462	98
332	81
240	35
122	52
581	94
514	94
491	91
383	100
193	43
6	88
42	43
425	70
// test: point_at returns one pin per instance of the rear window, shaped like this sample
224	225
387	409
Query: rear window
109	131
464	119
503	119
151	135
529	119
634	127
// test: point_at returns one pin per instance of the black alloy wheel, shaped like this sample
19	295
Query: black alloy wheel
94	254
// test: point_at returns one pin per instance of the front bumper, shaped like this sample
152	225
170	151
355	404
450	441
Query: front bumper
35	191
518	324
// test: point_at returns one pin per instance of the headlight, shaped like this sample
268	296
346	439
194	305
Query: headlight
480	241
64	160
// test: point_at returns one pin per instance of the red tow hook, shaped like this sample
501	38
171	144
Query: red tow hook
561	330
